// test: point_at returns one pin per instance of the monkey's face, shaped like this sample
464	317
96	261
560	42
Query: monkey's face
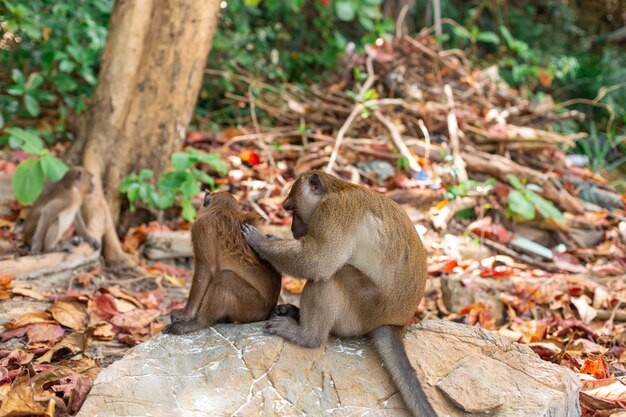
302	200
81	178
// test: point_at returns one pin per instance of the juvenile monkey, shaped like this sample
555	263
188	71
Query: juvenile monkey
230	282
366	271
56	210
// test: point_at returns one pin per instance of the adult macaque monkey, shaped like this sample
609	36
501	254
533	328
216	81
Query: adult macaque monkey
56	210
366	271
230	282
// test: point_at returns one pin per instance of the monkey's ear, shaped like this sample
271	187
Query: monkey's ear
207	199
315	184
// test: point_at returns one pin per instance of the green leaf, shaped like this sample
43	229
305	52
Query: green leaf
515	182
461	32
18	77
172	180
252	3
1	121
28	140
166	200
545	207
345	10
67	66
518	204
28	181
189	211
34	81
181	161
204	177
488	37
32	105
53	167
145	174
190	187
16	90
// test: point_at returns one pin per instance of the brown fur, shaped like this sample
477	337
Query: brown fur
56	210
366	271
230	282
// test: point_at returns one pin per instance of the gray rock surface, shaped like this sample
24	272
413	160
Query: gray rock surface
235	370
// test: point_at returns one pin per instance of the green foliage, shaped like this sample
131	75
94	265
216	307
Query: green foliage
469	187
183	181
52	51
600	149
524	203
285	41
29	176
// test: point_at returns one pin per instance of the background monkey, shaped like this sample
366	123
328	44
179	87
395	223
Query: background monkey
366	271
56	210
230	282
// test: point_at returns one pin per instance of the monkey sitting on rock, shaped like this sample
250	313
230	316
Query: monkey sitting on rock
366	271
230	283
56	210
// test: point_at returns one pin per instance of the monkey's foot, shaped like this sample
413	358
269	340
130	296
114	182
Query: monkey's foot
179	315
289	329
286	310
184	327
94	243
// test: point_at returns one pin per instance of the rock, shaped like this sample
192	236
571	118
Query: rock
468	391
237	370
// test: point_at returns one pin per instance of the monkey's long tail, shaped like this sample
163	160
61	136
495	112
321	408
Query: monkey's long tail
389	345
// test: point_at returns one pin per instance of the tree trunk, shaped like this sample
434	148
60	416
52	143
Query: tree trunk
150	75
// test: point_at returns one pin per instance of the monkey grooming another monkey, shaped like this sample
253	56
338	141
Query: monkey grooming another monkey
366	271
56	210
230	282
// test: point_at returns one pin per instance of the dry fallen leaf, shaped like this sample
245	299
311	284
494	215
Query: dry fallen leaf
135	318
104	331
72	314
75	389
101	308
44	332
27	292
583	305
74	343
30	318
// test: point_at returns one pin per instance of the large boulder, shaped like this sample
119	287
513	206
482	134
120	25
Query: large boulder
237	370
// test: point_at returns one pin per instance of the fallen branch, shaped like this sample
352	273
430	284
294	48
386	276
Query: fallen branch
36	266
397	140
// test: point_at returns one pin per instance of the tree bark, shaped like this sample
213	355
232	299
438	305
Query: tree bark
150	75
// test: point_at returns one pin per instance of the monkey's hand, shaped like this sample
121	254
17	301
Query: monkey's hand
252	235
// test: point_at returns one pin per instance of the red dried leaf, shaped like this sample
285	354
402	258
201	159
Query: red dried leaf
596	367
484	227
5	281
43	332
442	267
134	319
17	357
75	389
12	333
102	307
